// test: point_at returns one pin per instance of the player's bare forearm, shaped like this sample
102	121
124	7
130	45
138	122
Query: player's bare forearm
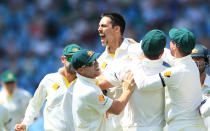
128	88
104	84
119	104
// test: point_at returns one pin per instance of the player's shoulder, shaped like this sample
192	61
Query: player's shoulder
52	76
24	93
135	49
81	85
102	56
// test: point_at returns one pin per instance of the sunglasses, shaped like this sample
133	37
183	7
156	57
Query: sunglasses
68	58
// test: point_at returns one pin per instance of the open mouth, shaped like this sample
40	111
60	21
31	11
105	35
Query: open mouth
102	36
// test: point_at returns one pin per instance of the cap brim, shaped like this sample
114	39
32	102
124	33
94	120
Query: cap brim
94	57
198	55
8	80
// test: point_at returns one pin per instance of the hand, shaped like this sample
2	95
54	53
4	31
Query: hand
128	82
20	127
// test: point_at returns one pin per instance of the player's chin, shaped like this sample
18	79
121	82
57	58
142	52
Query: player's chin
104	43
98	72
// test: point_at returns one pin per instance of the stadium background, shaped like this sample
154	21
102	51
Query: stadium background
34	32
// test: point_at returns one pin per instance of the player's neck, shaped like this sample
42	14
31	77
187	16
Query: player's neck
114	45
68	76
202	77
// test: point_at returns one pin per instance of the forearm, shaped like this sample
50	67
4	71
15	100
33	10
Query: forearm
104	84
34	106
31	112
119	104
150	83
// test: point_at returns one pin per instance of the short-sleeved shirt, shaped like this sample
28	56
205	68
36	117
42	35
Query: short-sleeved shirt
89	105
55	89
106	60
145	108
184	89
15	104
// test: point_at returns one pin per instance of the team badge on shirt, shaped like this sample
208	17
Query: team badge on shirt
101	98
104	64
55	86
167	74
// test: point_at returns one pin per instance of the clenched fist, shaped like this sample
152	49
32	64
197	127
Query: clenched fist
20	127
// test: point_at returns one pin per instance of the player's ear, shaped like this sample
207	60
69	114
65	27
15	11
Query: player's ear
63	59
80	70
117	28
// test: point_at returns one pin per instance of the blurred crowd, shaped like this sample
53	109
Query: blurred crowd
34	32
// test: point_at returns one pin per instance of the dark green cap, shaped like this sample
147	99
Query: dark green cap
153	42
8	76
71	49
83	57
200	51
183	38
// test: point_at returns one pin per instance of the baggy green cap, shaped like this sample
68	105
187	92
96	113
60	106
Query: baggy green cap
8	76
83	57
153	42
200	51
183	38
71	49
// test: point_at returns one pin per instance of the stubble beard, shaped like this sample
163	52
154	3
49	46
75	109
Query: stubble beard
69	68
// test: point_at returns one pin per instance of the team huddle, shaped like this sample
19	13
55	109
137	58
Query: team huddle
129	87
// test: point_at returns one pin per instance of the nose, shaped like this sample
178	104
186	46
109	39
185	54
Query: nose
99	29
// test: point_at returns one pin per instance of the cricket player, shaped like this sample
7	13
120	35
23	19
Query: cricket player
14	99
4	119
145	109
54	89
111	29
183	84
201	58
89	105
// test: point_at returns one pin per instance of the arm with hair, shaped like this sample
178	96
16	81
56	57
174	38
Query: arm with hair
119	104
34	107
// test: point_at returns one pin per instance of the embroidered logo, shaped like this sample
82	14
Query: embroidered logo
75	49
104	64
167	74
55	86
90	53
101	98
9	76
194	51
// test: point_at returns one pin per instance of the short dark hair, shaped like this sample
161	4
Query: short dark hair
153	57
183	53
117	20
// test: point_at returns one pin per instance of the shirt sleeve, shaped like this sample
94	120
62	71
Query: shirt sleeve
157	81
99	102
172	76
35	103
113	74
205	108
144	81
6	120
